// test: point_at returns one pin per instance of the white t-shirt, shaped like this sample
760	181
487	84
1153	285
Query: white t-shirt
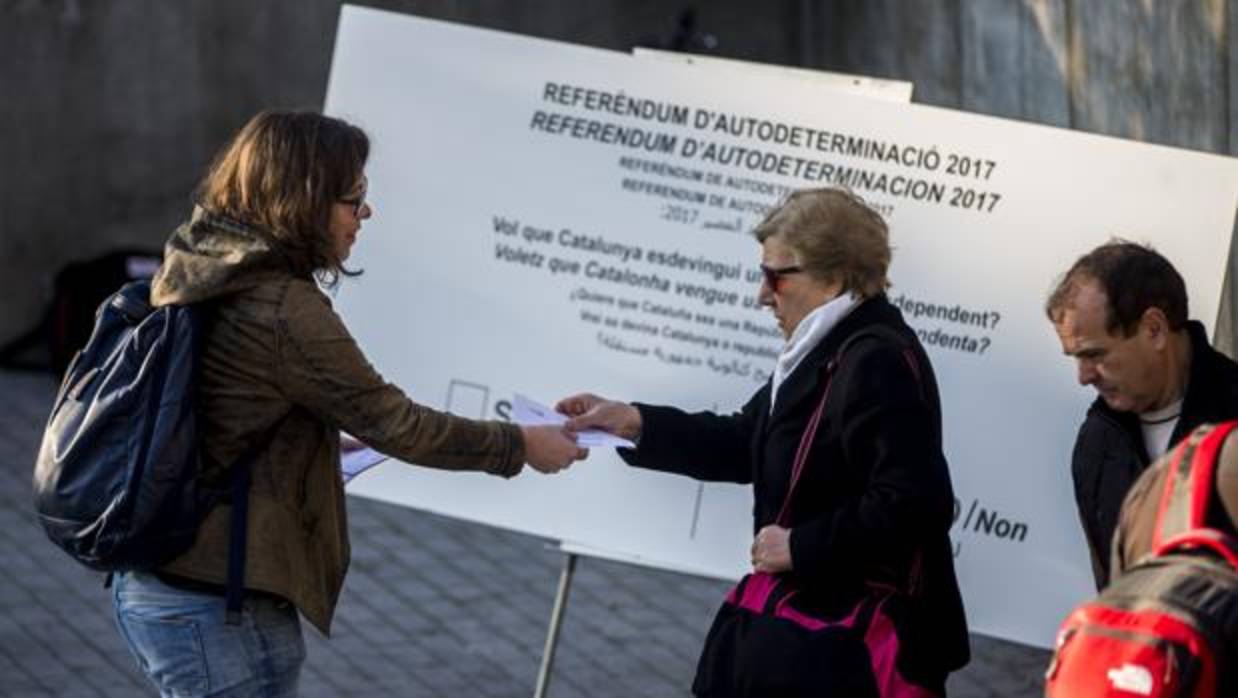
1158	426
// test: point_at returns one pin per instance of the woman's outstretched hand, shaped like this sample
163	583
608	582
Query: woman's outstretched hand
550	449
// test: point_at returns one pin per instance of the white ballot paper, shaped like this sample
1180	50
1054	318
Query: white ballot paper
353	463
527	412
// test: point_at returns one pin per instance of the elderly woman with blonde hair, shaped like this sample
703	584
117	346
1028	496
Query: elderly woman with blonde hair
853	591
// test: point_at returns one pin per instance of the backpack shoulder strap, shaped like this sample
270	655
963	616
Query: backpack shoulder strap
1188	483
238	534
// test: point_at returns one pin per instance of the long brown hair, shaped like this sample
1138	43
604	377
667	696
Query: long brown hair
282	173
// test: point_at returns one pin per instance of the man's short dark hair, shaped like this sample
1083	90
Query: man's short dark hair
1134	278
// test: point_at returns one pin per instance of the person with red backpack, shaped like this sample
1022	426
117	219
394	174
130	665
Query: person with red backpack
1167	624
1138	519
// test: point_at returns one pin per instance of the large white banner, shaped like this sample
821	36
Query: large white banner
552	218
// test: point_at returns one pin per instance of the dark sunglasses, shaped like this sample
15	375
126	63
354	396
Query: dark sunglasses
774	275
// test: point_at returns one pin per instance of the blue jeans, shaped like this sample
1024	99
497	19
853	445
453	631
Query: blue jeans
181	642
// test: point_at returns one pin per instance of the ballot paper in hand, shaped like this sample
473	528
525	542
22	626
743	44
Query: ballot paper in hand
526	412
353	463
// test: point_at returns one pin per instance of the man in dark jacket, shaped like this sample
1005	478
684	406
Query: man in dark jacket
1121	313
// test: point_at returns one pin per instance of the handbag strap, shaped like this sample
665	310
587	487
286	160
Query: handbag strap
810	430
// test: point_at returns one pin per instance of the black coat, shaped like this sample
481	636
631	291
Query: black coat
1109	452
875	489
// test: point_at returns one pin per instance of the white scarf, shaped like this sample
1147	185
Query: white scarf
807	335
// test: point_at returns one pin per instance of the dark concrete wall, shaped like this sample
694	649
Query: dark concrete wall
1163	71
111	110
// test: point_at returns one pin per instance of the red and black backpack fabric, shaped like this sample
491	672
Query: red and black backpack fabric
1167	626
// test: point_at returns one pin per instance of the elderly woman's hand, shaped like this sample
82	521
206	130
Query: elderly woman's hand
588	411
771	550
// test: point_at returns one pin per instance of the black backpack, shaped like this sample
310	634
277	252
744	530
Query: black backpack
116	481
1168	626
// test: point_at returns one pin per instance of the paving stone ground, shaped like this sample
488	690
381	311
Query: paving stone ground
432	607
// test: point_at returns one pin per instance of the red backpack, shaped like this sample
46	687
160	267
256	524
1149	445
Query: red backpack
1168	626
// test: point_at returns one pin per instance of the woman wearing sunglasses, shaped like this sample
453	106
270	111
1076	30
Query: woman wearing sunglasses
280	377
853	572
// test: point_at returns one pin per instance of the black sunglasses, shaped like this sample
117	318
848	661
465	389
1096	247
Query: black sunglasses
774	275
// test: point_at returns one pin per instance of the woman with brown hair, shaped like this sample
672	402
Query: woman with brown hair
280	377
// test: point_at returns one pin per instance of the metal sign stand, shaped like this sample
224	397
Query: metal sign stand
556	622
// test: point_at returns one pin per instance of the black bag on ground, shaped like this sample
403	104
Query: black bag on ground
78	289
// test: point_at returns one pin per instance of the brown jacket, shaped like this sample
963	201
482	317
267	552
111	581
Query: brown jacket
275	350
